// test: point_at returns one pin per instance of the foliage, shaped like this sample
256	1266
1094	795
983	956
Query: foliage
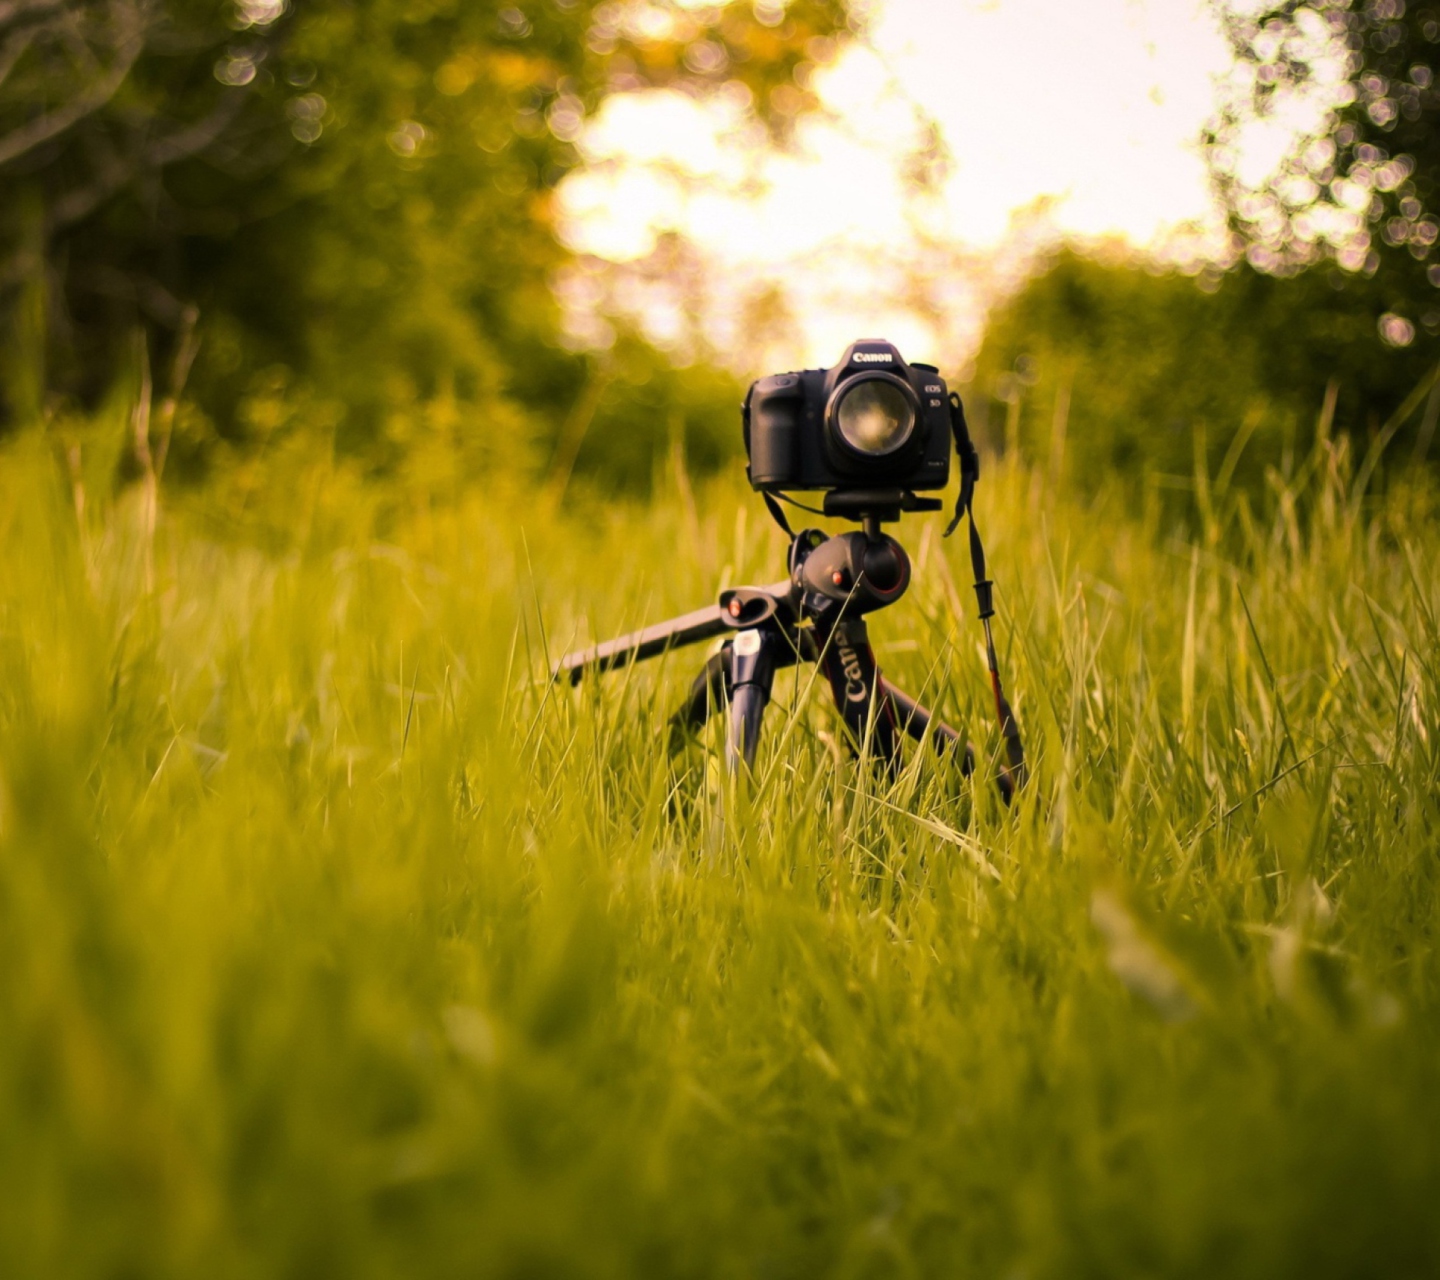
334	940
1113	366
1362	186
354	198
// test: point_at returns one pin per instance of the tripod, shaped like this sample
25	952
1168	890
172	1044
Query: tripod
817	614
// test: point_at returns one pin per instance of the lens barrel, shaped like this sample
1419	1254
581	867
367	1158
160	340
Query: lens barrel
872	415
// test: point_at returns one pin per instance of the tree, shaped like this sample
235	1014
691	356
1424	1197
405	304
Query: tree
1361	185
1106	368
354	197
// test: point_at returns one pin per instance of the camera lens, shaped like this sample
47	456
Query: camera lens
874	416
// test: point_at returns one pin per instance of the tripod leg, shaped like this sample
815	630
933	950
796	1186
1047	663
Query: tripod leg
915	719
707	691
855	684
754	658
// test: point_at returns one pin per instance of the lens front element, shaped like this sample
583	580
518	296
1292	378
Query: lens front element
874	416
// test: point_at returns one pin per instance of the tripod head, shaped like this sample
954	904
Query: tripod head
849	573
856	572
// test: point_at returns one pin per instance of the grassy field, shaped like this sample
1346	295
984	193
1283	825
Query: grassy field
334	941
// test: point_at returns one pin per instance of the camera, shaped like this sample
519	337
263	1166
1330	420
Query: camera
868	432
872	421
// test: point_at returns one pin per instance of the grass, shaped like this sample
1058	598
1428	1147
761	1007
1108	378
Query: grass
335	942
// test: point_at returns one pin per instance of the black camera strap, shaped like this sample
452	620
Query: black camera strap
777	513
969	461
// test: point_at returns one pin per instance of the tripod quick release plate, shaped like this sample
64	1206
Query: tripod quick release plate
877	504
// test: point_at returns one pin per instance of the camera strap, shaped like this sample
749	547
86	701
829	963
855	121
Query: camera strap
778	513
969	460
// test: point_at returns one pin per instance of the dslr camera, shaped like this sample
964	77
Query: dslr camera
871	423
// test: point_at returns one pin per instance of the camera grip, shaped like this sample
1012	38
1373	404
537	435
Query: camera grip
775	408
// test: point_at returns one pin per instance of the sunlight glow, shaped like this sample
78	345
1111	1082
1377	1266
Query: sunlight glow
1092	110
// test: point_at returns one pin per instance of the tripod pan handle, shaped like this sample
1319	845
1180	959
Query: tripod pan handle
690	628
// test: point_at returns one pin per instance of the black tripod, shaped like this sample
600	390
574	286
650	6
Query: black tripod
814	615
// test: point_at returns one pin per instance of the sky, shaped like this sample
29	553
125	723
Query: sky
1089	107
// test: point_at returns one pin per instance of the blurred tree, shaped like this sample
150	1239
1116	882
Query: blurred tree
1362	186
1335	284
1116	366
355	198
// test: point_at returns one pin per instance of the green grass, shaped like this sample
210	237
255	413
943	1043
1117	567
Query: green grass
335	942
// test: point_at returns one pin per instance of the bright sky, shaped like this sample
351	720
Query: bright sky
1093	104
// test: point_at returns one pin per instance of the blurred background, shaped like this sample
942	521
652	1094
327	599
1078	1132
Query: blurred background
553	240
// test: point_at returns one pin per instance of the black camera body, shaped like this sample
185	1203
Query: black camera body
869	422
